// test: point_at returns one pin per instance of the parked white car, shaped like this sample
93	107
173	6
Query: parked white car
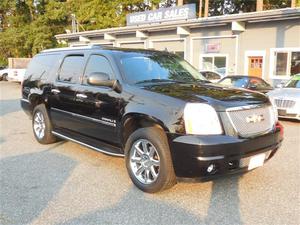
16	75
287	99
9	74
3	73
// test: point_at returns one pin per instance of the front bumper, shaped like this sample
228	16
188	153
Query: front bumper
192	155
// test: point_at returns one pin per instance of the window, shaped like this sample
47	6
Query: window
157	67
215	63
259	83
240	82
71	69
41	65
97	64
286	62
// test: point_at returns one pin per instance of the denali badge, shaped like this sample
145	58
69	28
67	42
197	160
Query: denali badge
255	118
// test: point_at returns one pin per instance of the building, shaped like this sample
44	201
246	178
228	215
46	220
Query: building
264	44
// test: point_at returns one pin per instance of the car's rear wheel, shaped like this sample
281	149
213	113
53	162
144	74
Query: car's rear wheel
41	125
148	160
4	77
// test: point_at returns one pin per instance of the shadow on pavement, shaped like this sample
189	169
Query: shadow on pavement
136	208
9	106
22	183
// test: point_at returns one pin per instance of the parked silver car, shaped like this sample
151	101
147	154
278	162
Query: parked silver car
287	99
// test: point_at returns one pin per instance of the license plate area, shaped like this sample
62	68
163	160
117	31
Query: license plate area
253	161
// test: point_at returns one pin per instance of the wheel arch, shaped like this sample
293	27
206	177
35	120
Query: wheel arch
133	121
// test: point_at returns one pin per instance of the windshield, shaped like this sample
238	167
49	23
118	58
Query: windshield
294	82
156	67
240	82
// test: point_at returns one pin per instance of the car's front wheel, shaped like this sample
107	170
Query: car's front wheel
41	125
148	160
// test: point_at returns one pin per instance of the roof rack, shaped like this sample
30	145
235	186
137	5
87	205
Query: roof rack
75	47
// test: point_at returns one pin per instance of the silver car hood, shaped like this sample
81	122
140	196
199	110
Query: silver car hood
285	93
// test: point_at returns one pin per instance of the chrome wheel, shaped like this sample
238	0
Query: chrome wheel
39	125
144	161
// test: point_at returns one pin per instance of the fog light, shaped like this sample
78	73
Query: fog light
211	168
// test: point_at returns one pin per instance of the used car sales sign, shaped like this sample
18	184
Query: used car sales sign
187	11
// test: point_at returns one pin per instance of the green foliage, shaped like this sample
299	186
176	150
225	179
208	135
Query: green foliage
29	26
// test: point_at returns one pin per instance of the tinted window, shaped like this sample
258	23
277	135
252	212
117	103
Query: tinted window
41	65
71	69
240	82
98	64
260	84
294	83
211	75
153	67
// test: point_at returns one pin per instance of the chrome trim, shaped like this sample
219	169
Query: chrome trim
210	158
86	145
85	117
25	100
239	108
81	96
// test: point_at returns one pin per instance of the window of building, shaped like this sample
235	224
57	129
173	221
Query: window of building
285	62
215	63
71	69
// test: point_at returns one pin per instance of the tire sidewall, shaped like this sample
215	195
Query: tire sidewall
154	136
48	136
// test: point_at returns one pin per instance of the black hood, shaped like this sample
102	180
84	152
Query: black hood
218	96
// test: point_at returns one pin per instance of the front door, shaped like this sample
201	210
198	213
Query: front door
255	64
99	107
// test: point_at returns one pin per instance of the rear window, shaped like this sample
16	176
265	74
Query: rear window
71	69
40	66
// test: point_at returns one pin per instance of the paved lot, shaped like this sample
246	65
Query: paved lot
65	183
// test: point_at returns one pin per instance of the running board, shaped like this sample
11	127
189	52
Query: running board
86	145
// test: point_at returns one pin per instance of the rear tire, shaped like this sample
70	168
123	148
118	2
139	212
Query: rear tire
41	125
4	77
148	160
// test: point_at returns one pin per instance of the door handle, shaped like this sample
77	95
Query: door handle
55	91
81	96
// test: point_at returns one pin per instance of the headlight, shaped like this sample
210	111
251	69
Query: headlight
200	118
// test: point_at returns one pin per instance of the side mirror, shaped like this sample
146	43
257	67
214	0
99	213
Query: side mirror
102	79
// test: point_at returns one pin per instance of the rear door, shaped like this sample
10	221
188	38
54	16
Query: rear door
62	97
98	107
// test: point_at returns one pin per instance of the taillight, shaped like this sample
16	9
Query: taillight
280	128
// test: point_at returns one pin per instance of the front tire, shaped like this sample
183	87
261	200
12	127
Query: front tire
41	125
148	160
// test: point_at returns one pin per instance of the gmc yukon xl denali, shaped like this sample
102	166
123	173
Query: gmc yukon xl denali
151	107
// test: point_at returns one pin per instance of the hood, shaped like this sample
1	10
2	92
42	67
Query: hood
219	97
285	93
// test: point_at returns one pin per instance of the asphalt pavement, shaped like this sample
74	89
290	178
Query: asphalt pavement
65	183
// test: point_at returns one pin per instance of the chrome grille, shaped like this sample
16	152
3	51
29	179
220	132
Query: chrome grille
250	121
281	103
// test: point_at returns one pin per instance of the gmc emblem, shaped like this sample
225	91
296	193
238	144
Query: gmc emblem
255	118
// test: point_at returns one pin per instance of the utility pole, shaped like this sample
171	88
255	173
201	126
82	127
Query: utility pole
259	5
200	8
293	4
74	24
179	2
206	8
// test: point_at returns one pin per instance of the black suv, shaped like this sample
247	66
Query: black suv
152	107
